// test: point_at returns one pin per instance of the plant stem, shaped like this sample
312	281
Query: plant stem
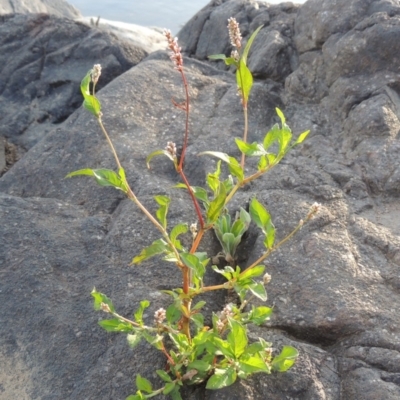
109	141
132	196
195	202
284	240
246	127
185	141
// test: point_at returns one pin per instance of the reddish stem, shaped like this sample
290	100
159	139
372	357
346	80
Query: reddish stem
185	141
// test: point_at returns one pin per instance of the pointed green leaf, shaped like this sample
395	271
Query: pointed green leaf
221	378
157	247
101	298
199	305
249	43
115	325
285	359
161	213
133	340
270	236
244	80
90	102
253	272
143	384
175	395
159	153
233	165
258	315
199	365
258	289
177	230
280	115
217	57
302	137
163	375
104	177
191	261
251	364
173	314
139	312
217	205
263	163
169	387
259	214
237	338
250	149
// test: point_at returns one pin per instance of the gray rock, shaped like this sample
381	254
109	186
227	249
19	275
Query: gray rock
335	286
44	59
59	8
273	54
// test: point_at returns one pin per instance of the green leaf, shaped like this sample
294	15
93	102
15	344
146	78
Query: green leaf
199	365
101	298
253	363
302	137
253	272
169	387
143	384
135	396
227	272
280	115
263	163
259	214
163	375
177	230
157	247
191	261
258	315
159	153
139	312
133	340
199	305
90	102
285	359
258	289
217	57
104	177
262	219
253	149
173	314
217	205
249	43
237	338
198	320
244	79
223	346
115	325
161	213
175	395
221	378
233	165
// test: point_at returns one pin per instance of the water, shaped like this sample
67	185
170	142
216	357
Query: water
172	14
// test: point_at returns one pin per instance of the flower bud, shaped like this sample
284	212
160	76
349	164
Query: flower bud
267	278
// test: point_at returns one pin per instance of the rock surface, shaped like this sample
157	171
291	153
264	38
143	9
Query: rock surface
59	8
43	60
335	286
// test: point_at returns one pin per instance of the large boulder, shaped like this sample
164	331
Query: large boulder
59	8
44	59
335	286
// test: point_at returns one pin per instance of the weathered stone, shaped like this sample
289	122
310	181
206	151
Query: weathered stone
44	59
335	285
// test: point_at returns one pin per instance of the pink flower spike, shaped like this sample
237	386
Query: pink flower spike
175	54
